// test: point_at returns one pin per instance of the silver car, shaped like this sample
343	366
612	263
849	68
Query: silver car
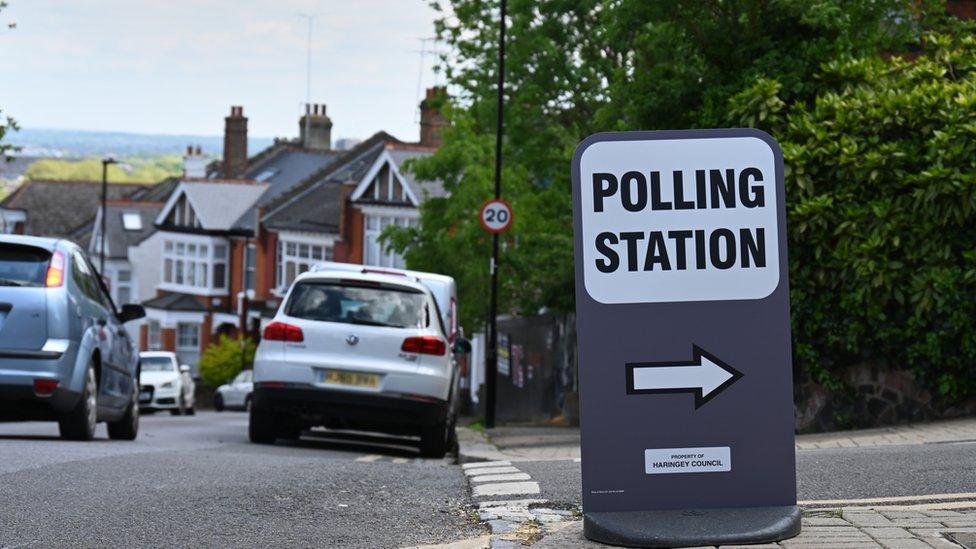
64	352
235	395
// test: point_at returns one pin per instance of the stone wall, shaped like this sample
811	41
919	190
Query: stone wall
873	395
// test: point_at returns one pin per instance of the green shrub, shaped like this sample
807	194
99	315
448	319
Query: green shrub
881	205
221	361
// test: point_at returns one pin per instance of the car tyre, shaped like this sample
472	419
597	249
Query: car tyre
262	427
219	402
126	428
79	423
289	429
434	440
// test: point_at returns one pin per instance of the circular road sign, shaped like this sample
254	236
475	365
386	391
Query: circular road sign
496	216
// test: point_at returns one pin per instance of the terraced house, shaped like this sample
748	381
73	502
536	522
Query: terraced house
232	236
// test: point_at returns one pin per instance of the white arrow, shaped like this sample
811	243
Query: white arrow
705	376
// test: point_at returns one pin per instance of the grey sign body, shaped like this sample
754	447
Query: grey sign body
682	299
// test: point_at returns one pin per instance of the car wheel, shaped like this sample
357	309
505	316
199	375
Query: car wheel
219	402
79	423
191	411
126	428
289	429
433	441
180	407
261	428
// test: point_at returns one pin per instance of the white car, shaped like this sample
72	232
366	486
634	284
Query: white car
235	395
164	384
356	348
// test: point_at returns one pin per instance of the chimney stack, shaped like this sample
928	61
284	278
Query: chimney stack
315	128
235	143
194	163
431	119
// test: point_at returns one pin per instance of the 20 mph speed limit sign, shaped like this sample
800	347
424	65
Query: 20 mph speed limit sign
496	216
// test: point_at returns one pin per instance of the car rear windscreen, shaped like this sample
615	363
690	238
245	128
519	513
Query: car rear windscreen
359	304
23	265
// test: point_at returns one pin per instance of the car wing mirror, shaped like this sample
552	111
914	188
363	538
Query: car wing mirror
462	345
131	311
184	368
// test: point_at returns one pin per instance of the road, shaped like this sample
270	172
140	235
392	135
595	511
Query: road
197	481
829	474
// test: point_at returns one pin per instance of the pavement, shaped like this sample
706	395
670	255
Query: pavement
896	487
195	481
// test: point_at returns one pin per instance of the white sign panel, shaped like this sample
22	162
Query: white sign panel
679	220
666	461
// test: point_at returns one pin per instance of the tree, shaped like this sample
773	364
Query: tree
881	188
575	67
7	123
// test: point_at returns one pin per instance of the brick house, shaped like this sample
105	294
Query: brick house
234	234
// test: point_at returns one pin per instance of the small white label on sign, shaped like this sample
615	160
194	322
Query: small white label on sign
662	461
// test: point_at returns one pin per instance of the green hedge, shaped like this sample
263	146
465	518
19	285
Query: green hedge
881	192
221	361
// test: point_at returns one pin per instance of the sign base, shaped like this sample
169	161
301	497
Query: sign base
693	527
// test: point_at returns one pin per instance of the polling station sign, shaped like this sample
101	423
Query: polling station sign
685	367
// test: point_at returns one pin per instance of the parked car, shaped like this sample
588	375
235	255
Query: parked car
358	348
65	354
165	384
235	395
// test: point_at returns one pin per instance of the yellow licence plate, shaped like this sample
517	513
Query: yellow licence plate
340	377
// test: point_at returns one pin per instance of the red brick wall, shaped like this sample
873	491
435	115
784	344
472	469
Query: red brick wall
236	267
355	236
167	337
267	249
144	337
964	9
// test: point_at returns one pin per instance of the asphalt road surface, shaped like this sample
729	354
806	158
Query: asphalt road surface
197	481
828	474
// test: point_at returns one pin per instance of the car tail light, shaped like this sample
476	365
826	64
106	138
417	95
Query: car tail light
280	331
424	345
55	271
453	320
45	387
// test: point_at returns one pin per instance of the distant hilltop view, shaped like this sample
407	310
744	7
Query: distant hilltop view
76	155
54	143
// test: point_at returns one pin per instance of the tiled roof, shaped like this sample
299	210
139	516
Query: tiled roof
282	166
421	189
175	302
59	208
118	237
218	204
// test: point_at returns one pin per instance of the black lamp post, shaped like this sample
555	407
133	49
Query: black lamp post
101	232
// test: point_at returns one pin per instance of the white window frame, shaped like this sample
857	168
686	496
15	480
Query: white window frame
250	267
120	284
177	258
289	251
373	253
154	337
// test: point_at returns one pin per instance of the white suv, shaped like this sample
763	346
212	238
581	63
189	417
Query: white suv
358	349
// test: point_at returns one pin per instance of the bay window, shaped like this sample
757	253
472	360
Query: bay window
194	264
373	253
295	256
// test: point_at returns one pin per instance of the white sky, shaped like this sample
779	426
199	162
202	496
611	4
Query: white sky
176	66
